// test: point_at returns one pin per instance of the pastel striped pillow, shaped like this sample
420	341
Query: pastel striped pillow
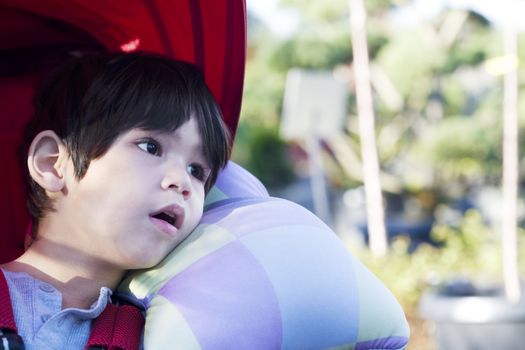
264	273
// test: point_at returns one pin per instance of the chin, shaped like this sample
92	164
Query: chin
143	262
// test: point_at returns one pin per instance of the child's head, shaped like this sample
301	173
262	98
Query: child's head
92	100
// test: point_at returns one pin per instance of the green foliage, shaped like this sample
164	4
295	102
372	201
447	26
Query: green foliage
420	142
409	60
471	250
454	95
313	50
461	148
376	41
265	155
477	22
470	51
262	97
379	5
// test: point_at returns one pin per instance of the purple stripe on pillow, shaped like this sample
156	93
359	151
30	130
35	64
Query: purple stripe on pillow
219	210
228	301
234	181
253	215
313	277
389	343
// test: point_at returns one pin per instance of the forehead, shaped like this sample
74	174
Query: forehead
187	133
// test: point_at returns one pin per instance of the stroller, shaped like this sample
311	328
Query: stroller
39	35
258	272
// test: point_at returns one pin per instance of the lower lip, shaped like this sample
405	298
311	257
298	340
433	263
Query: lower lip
163	226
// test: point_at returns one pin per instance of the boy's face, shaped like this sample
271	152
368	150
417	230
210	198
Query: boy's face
139	200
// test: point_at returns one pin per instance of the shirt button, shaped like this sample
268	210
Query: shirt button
46	288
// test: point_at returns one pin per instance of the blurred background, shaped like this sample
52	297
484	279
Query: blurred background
436	71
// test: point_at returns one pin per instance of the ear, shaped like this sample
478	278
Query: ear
46	161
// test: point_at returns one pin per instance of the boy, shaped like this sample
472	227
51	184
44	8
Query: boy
120	153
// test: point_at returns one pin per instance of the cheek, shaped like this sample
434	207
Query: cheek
112	193
197	208
115	173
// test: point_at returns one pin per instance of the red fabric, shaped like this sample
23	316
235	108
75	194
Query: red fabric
128	328
14	219
211	34
102	327
7	319
117	328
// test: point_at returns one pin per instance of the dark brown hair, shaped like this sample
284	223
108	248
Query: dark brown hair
91	100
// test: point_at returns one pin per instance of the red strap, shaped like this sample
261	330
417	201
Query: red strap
130	322
7	318
102	327
117	328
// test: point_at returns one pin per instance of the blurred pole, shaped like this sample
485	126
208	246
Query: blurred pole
510	169
314	109
374	202
317	180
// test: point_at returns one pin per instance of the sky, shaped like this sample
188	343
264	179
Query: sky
283	21
499	12
262	7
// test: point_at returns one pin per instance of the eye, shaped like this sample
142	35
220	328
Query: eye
150	146
198	172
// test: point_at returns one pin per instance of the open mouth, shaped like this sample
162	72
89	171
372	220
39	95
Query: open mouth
165	217
173	215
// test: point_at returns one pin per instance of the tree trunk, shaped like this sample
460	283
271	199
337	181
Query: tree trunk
510	171
374	202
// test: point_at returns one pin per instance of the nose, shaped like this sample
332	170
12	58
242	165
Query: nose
177	179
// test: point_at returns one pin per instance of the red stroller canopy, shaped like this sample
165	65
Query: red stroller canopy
37	35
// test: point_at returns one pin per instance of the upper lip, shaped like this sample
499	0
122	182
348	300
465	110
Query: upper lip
174	211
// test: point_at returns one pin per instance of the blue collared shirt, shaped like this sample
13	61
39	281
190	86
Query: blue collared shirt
41	322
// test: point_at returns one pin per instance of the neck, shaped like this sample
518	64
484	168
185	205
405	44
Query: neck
77	276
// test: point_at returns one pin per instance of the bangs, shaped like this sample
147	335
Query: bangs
143	93
152	94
